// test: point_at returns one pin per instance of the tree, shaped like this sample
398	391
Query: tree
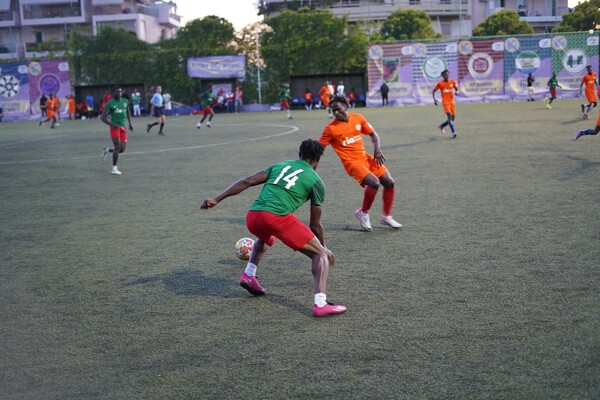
585	17
310	42
407	24
208	36
504	22
109	57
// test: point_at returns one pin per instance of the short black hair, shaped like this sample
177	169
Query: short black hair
445	71
339	99
115	88
310	150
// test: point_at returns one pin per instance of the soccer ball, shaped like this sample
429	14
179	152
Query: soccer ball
243	248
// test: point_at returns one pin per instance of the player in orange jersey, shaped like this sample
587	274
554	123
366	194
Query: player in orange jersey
344	134
51	109
589	80
325	96
448	88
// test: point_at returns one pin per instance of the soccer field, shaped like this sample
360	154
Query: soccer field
118	287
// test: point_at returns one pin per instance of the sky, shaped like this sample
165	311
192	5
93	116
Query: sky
239	12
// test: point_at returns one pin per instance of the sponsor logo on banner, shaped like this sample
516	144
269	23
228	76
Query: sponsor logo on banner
433	67
575	60
559	43
465	47
375	52
512	45
527	62
480	65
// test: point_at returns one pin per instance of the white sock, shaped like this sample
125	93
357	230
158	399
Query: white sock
320	300
288	113
114	168
250	269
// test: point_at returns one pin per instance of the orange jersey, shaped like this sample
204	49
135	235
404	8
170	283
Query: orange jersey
447	89
346	137
589	80
71	103
52	104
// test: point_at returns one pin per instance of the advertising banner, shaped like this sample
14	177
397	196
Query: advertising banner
524	55
391	63
217	67
46	77
571	53
14	89
429	60
481	68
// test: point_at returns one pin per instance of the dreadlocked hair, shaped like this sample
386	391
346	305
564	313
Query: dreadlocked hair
311	150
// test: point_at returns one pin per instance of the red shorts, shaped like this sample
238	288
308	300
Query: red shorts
553	93
284	105
359	169
207	110
118	132
267	226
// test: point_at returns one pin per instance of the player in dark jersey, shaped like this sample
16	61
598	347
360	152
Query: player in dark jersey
286	186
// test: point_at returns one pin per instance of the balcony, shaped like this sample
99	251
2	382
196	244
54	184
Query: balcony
44	49
369	9
60	12
8	51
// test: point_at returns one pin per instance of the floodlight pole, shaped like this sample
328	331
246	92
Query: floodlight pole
258	66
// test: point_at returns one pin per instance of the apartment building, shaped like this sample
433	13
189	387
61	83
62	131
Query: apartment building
451	18
25	24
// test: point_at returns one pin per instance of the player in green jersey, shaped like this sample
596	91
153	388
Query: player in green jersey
285	98
286	186
206	99
117	109
552	85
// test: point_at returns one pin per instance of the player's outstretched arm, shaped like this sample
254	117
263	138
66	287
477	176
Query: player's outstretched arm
377	153
236	188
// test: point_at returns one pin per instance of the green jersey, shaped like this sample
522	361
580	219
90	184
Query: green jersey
135	99
289	185
553	83
284	94
117	111
207	99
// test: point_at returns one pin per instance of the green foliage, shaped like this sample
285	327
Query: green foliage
406	24
585	17
113	56
504	22
203	37
310	42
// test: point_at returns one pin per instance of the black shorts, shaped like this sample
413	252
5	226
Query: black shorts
159	111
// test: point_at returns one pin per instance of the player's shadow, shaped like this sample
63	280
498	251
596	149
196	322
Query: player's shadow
583	167
192	282
571	121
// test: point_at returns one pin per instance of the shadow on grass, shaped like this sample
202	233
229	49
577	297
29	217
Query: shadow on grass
193	282
571	121
583	167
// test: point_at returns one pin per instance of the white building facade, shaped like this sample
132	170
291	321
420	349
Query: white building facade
451	18
25	24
